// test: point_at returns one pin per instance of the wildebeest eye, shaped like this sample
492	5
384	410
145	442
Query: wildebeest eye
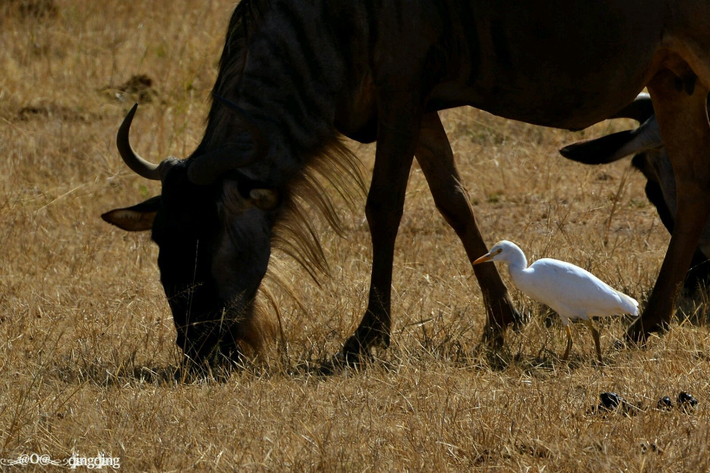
242	193
265	199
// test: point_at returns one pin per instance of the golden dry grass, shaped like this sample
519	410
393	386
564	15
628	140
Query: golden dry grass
87	341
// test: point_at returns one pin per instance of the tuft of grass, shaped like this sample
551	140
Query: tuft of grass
88	361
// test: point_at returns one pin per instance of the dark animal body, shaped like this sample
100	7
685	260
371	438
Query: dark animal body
300	73
645	144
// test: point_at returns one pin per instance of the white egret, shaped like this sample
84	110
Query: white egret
569	290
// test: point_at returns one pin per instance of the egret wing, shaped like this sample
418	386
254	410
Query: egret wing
570	290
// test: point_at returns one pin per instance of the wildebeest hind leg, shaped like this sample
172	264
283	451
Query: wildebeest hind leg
436	159
684	125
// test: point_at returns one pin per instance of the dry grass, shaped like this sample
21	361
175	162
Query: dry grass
87	349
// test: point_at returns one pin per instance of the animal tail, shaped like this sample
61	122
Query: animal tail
628	304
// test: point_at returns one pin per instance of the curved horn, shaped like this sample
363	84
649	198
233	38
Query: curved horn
640	109
616	146
137	164
206	168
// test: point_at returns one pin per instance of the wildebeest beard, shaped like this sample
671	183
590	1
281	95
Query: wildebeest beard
207	332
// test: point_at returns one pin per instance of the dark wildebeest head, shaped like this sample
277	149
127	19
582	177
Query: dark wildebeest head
240	193
213	227
649	157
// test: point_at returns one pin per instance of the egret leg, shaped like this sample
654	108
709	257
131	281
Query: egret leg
569	342
595	335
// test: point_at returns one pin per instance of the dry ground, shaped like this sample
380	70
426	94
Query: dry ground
87	341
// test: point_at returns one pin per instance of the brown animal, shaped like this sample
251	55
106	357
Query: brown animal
300	73
651	158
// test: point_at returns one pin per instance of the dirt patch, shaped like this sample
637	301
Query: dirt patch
52	110
138	88
29	9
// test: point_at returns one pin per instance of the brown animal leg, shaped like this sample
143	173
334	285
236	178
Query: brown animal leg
686	133
437	161
396	141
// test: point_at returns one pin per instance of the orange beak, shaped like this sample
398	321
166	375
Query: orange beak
483	259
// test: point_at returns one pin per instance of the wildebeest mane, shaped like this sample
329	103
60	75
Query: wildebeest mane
337	170
245	19
332	169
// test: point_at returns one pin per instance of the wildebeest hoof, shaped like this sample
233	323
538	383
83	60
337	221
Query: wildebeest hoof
353	355
686	402
494	337
356	351
665	404
332	366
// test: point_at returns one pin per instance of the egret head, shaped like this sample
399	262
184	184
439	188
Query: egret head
502	251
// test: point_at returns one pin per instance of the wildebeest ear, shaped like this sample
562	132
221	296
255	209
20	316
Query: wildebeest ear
134	219
265	199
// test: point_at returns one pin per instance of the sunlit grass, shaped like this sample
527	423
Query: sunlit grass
87	356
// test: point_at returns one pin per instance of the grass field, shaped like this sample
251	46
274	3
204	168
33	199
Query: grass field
87	350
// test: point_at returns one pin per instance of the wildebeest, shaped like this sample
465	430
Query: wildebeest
651	158
293	75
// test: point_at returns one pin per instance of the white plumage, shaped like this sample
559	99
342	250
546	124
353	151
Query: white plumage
569	290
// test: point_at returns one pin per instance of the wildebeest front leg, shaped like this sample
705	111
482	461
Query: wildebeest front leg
686	133
399	119
436	159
